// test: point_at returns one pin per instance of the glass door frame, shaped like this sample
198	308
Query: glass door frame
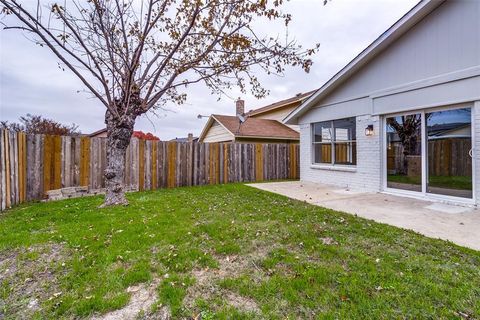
424	149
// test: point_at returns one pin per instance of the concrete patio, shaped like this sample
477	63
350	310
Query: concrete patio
458	224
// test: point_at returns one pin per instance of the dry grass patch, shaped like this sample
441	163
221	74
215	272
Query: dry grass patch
142	298
29	277
206	286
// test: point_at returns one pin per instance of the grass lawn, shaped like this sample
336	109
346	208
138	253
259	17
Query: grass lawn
227	251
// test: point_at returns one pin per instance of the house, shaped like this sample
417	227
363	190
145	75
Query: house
263	125
102	133
402	117
189	138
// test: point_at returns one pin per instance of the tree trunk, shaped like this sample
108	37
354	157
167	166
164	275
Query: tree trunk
118	139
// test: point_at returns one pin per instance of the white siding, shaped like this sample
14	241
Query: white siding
337	111
217	133
445	41
465	90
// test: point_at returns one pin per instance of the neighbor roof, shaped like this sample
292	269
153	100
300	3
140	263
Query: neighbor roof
184	139
299	97
252	128
416	14
93	134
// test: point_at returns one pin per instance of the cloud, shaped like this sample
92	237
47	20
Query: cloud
30	80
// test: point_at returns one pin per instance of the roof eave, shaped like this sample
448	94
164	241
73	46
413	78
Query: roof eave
417	13
254	113
283	105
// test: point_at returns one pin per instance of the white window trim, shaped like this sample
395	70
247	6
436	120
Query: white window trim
424	194
332	165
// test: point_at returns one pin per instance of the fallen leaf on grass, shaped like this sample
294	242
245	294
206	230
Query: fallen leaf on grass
328	241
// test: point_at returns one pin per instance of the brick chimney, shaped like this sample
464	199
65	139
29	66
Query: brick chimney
239	107
190	137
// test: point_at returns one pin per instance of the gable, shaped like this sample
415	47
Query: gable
280	114
432	48
445	41
217	133
277	114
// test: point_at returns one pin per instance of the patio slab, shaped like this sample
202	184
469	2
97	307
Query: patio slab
458	224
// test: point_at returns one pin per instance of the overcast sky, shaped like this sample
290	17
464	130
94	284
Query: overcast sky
31	82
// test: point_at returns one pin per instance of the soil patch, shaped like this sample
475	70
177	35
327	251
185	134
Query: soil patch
142	298
206	285
30	276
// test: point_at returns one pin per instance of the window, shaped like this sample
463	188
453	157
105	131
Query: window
334	142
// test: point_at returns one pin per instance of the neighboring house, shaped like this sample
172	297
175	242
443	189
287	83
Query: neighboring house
189	138
261	125
450	130
102	133
421	75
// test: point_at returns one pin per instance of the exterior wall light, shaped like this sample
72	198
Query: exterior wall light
369	130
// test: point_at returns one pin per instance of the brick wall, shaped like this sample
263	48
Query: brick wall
365	176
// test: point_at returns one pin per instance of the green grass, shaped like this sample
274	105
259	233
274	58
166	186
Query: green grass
449	182
285	265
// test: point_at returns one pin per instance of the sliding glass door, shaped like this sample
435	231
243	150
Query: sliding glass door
449	148
430	152
404	152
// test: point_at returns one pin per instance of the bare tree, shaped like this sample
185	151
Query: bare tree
136	55
408	129
36	124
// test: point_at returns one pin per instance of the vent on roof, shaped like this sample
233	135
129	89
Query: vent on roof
298	94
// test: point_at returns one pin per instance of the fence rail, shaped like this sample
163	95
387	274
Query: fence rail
31	165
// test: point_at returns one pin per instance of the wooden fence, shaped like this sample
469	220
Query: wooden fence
30	165
446	157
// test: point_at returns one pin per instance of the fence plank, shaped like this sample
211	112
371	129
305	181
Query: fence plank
39	165
3	158
21	174
7	169
84	161
47	163
154	165
14	167
141	165
171	163
93	164
135	169
76	158
164	168
148	164
57	162
24	167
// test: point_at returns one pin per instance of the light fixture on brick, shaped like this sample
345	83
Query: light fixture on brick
369	130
